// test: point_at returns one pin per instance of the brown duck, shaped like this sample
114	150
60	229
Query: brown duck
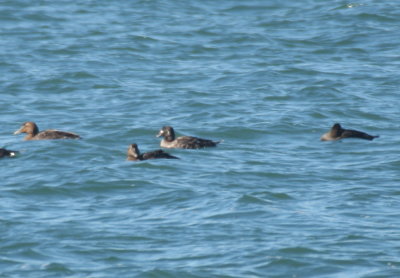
32	133
337	133
135	155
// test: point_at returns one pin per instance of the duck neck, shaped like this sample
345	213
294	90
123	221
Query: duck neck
169	138
132	157
29	136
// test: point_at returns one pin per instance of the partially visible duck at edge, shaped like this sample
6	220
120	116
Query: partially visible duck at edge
32	133
183	142
135	155
7	153
337	133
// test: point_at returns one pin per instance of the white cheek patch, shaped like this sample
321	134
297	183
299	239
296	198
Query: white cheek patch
12	154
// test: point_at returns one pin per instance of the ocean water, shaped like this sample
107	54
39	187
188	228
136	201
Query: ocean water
266	77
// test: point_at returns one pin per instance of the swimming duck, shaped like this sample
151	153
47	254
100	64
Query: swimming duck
32	131
134	154
183	142
8	153
337	133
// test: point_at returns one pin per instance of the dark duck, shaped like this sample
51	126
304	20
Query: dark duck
183	142
135	155
32	133
7	153
337	133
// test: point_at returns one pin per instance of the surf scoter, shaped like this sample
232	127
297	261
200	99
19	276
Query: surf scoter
183	142
337	133
135	155
7	153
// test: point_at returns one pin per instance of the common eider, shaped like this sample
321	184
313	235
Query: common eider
32	131
135	155
7	153
337	133
183	142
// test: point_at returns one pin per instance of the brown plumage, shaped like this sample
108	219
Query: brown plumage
337	133
183	142
7	153
32	133
135	155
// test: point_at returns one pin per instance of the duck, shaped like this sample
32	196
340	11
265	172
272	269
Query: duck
184	142
135	155
7	153
32	131
337	133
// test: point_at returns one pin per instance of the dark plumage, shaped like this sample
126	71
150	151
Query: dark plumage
7	153
32	131
337	133
183	142
134	154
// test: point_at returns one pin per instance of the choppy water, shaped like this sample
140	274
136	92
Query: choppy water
267	77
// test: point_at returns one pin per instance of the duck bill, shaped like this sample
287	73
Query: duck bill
18	131
160	134
326	137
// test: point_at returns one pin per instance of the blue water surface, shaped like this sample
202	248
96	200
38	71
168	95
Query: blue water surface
266	77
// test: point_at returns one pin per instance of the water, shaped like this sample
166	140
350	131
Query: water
267	77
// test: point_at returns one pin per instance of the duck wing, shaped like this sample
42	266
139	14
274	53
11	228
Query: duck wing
56	134
190	142
157	154
350	133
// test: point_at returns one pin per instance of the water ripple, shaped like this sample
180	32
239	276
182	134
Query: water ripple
266	78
